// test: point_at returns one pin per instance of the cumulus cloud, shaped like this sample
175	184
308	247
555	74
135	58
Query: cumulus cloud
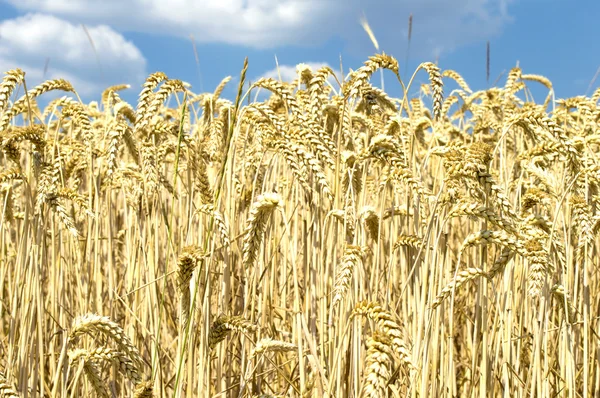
255	23
28	42
439	25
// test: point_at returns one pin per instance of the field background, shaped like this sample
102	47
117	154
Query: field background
329	240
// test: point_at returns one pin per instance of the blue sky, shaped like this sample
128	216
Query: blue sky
132	38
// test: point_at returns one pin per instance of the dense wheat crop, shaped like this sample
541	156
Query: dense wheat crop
329	241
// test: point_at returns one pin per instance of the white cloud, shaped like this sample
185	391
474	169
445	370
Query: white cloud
28	41
247	22
270	23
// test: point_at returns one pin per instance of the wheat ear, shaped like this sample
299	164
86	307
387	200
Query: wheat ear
386	324
13	78
378	367
225	324
6	389
187	262
91	371
350	260
261	209
437	86
144	389
95	323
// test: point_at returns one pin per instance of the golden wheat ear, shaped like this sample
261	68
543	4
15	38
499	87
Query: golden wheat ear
187	262
386	324
144	389
260	212
22	104
12	79
6	389
91	371
93	323
378	366
224	324
359	77
437	86
349	262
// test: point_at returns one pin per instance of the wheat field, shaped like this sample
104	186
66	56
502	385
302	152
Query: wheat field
328	241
